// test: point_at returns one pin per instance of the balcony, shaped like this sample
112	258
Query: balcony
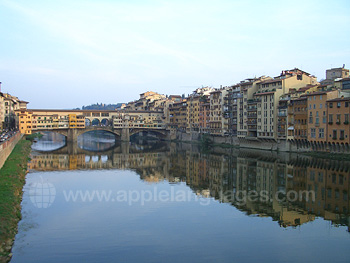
330	122
250	108
281	134
252	128
346	122
341	138
334	137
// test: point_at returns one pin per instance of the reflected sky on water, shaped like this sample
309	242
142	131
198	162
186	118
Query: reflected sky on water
192	208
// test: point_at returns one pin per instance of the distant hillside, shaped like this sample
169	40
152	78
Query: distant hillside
102	106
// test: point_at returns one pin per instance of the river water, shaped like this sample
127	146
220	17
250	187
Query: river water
149	201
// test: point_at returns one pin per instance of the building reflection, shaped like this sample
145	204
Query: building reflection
222	175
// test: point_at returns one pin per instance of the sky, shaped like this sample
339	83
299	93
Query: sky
66	54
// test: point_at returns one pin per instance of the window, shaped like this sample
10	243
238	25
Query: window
321	133
330	118
334	134
346	118
338	118
342	133
346	104
331	104
313	133
310	119
320	105
338	104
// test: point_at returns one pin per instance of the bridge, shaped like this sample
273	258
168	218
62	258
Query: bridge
72	123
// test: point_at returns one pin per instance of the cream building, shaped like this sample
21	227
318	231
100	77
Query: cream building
248	88
268	95
8	105
218	124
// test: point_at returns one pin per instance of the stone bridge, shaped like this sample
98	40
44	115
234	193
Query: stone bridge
122	134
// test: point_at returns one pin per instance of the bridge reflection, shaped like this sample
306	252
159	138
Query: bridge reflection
219	175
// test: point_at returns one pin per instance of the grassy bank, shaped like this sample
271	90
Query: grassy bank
12	179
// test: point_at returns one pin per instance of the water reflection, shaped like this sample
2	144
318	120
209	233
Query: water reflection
50	141
222	176
96	141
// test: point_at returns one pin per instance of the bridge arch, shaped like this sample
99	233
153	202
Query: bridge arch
162	133
105	122
97	128
95	122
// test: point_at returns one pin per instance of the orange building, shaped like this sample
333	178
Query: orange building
317	115
300	118
338	121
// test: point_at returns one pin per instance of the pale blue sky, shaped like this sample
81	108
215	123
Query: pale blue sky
65	54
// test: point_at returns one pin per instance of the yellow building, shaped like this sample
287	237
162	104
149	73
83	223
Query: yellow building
178	115
193	113
139	119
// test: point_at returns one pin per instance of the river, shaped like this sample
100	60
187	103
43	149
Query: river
150	201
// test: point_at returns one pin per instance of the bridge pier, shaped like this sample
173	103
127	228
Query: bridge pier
125	135
72	135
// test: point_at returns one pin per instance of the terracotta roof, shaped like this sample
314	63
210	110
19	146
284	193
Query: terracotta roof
301	98
316	93
246	83
339	99
270	81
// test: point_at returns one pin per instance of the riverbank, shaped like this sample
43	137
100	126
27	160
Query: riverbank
12	179
280	145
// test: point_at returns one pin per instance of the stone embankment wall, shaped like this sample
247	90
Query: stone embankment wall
7	147
268	145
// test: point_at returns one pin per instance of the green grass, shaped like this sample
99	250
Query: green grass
12	179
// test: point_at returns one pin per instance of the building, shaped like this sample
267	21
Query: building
8	105
299	109
139	119
247	89
268	96
218	119
338	111
335	73
317	115
230	102
204	116
178	115
192	113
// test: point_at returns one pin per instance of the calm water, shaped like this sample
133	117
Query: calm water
101	201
